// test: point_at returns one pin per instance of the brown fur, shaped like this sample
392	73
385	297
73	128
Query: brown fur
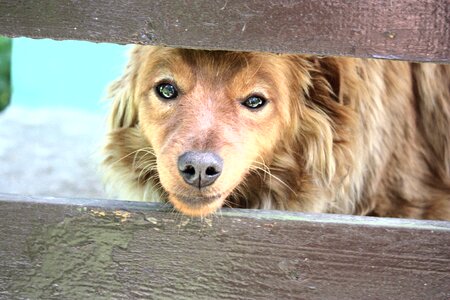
339	135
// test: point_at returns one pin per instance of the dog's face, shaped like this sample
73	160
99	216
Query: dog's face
210	118
213	126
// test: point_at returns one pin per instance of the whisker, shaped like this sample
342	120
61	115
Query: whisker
145	165
255	170
147	152
125	156
239	194
276	178
143	172
228	204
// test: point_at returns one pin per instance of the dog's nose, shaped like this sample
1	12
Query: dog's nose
200	169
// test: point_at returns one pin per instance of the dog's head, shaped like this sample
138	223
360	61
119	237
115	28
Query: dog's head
210	117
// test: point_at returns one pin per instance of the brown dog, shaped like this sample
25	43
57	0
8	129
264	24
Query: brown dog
205	129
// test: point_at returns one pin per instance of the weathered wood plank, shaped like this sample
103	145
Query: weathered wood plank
405	29
55	248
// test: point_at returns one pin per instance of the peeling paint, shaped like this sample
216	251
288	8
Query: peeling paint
69	257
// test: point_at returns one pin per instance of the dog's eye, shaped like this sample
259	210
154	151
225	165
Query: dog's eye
254	102
166	91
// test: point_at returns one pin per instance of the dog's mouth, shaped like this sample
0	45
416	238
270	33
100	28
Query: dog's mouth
197	205
198	201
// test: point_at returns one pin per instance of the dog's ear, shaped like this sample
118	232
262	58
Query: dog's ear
124	113
326	74
325	119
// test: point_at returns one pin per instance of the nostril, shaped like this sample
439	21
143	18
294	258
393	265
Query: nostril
211	171
189	170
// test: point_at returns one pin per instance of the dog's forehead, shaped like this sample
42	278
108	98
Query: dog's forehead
207	64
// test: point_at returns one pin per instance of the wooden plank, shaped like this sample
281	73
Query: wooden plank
416	30
70	248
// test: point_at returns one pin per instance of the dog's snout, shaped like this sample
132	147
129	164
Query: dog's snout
200	169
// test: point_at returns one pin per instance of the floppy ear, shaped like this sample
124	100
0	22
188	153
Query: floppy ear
325	121
316	136
123	113
330	71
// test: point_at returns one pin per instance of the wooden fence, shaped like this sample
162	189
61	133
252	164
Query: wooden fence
74	249
401	29
58	248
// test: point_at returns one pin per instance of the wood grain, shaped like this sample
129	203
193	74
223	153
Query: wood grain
417	30
104	249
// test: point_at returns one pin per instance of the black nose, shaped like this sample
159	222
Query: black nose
200	169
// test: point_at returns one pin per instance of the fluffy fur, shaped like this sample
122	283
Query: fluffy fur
338	135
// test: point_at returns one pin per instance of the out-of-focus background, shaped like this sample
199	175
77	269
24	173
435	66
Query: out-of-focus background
52	114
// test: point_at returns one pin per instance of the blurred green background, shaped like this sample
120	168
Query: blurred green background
5	72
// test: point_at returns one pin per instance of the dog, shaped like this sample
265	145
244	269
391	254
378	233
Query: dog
206	129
